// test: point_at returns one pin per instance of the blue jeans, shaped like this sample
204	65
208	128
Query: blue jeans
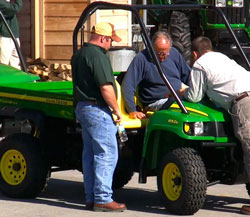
100	152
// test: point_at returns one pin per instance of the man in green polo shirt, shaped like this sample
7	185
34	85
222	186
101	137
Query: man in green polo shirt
95	98
8	52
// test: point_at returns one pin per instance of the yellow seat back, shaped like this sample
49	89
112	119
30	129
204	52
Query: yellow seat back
128	122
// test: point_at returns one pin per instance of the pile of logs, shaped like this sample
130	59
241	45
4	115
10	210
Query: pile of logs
50	72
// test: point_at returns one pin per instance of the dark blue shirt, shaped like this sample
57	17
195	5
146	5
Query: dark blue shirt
142	72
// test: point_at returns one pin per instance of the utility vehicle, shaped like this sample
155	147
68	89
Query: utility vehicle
184	25
188	146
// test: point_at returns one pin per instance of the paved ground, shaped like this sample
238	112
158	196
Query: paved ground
64	198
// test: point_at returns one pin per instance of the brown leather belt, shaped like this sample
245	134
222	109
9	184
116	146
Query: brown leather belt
242	96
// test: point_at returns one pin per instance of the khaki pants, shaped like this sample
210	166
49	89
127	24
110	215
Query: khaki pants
240	114
8	52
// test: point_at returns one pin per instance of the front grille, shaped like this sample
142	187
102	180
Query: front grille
233	15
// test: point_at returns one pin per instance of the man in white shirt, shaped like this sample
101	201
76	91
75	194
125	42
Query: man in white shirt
226	84
8	52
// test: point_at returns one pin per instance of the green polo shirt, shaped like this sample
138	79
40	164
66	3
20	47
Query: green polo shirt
10	11
91	68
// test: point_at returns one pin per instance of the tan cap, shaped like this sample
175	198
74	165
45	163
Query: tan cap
106	29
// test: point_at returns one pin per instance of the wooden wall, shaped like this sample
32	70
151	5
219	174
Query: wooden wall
60	18
121	21
56	22
26	24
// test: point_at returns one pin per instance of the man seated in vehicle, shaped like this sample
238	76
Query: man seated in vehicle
143	73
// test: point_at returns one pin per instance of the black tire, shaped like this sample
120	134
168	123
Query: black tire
121	178
23	168
182	181
179	29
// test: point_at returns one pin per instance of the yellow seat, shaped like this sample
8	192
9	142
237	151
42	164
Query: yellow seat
126	121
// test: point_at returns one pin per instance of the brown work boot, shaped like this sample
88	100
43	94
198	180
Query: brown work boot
110	207
245	210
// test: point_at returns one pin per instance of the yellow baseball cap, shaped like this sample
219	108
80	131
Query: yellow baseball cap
106	29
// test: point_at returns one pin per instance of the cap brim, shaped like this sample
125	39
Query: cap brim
116	38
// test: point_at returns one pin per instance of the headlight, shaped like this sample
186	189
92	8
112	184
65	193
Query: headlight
238	3
214	129
196	128
220	3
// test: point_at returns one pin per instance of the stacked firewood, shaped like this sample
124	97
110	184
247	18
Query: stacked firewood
50	72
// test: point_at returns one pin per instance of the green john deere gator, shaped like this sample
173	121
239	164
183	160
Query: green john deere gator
188	146
185	25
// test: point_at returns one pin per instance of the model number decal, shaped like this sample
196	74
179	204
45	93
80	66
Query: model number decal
57	101
172	121
37	99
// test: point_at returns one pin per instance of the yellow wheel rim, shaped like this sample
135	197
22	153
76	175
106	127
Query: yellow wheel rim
13	167
172	181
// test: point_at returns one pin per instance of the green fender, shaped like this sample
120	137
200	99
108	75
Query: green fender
165	129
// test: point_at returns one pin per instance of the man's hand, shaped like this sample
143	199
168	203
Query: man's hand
108	94
135	115
117	117
179	92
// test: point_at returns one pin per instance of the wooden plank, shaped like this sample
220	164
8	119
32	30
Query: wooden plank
58	52
86	1
60	23
65	1
26	7
62	38
65	38
32	33
59	61
25	35
26	48
41	30
24	21
119	1
117	21
116	1
113	13
64	10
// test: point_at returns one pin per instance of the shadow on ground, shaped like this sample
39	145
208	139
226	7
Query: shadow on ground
69	194
223	204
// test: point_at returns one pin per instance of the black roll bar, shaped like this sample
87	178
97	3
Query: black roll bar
91	8
23	65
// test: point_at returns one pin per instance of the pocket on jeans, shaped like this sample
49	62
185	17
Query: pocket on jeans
93	119
92	116
89	116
